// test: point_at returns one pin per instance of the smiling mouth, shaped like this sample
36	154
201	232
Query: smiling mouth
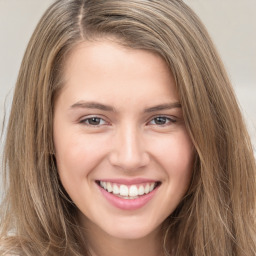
128	191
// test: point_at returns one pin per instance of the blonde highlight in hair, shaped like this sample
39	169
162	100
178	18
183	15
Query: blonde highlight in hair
216	217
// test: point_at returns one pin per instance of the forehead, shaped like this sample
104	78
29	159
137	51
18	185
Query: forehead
110	69
107	50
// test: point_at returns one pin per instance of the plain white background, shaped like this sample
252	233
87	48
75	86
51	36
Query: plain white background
231	23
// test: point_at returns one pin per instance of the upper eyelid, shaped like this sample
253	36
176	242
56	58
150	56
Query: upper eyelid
84	119
92	116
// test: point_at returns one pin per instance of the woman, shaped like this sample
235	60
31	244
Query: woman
125	138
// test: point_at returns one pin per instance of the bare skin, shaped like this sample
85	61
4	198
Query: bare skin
118	122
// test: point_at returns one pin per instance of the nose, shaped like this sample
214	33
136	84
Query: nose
128	150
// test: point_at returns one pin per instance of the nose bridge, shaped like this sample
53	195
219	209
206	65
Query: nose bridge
129	152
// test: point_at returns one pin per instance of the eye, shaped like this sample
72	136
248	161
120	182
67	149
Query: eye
93	121
162	121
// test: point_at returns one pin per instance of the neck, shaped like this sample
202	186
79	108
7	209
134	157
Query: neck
125	248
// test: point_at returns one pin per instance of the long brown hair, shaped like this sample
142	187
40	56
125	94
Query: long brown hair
216	217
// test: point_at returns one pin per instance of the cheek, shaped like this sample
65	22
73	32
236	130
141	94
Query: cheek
176	152
76	160
181	158
176	156
77	154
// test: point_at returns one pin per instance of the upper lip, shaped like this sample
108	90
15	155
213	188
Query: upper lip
129	181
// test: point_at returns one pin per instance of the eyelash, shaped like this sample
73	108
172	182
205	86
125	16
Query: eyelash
167	120
88	119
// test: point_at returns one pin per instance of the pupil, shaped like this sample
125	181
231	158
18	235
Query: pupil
160	120
94	121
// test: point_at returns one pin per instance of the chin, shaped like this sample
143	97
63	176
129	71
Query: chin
132	230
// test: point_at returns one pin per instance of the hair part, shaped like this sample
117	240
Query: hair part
216	217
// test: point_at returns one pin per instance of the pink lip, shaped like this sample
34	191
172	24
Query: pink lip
128	204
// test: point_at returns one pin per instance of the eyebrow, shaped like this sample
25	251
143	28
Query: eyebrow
97	105
163	107
92	105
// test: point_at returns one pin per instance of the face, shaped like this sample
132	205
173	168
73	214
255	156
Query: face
122	150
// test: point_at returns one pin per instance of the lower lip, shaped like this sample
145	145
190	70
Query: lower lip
128	204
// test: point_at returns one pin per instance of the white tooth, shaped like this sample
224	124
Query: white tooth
141	190
151	187
133	191
123	190
147	189
129	197
109	187
101	183
104	185
115	189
